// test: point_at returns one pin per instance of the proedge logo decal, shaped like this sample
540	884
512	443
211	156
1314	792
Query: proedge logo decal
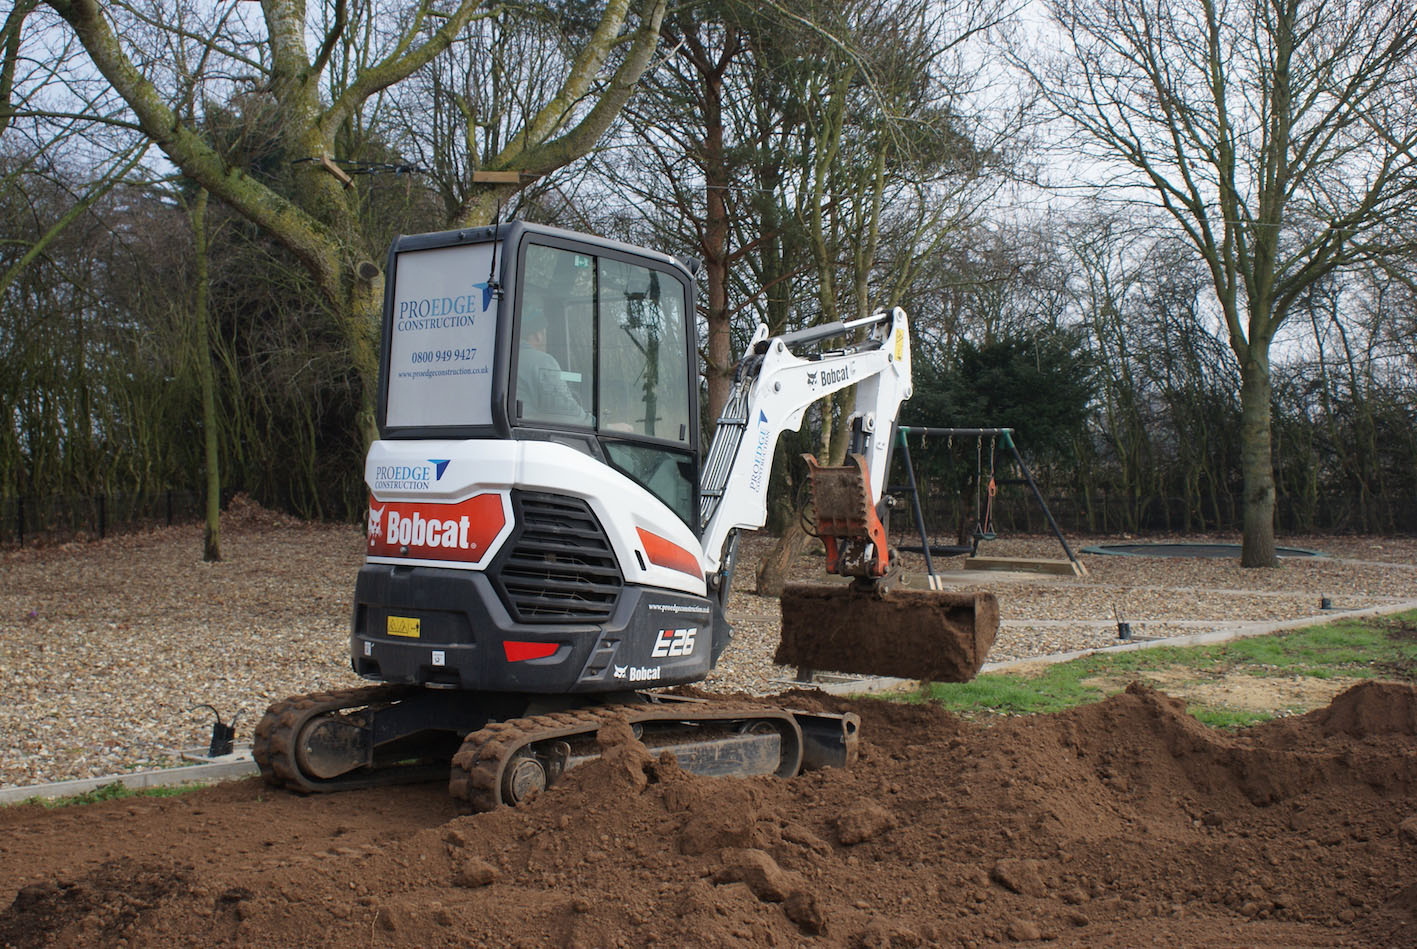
760	453
410	477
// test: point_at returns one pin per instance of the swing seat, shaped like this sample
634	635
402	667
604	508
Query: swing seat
985	535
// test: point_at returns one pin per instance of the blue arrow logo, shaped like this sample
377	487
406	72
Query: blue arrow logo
440	465
486	288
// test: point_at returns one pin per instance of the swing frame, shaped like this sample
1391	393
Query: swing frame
1072	565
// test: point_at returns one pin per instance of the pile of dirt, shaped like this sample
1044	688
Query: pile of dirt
244	512
1116	824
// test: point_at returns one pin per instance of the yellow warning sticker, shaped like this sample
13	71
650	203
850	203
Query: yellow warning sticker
403	626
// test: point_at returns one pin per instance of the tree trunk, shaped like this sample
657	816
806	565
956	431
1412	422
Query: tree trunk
363	317
719	368
1257	464
773	571
211	537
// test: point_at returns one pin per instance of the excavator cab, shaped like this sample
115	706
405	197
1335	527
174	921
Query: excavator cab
528	332
533	495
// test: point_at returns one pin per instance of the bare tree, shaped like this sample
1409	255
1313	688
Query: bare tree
886	166
322	74
1277	134
690	157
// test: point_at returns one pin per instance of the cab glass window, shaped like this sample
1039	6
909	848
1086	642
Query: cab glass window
668	475
644	368
602	343
556	344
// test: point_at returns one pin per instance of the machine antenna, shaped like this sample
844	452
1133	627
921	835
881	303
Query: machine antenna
496	178
492	283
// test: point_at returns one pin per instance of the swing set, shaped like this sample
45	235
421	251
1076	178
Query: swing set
984	496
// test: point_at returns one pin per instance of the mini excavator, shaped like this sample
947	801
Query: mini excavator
546	540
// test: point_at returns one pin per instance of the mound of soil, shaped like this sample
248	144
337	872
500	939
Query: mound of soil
1115	824
244	512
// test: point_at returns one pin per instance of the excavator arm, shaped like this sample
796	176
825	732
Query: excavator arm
865	626
777	382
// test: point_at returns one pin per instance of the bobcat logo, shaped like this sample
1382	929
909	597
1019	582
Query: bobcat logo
811	378
622	672
376	525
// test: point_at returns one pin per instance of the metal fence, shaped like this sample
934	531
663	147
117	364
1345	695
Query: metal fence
1016	511
24	519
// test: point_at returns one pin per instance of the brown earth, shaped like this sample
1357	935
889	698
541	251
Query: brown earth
1121	823
938	636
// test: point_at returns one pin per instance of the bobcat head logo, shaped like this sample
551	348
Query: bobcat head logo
622	671
376	525
811	378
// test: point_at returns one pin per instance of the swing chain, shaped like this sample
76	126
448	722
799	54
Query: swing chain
984	526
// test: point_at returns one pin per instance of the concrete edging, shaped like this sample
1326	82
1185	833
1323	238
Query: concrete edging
238	767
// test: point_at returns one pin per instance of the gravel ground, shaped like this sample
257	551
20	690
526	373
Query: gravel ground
105	647
1159	597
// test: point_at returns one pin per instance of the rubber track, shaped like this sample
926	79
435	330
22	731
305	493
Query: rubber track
476	775
273	745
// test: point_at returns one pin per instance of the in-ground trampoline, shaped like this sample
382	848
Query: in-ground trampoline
1179	549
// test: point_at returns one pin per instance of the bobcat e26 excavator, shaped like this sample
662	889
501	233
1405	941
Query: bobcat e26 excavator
543	540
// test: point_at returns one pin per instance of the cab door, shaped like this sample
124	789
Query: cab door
605	345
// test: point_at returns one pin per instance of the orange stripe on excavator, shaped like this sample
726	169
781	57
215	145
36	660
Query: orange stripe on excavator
664	553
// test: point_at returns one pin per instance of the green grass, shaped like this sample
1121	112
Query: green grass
1057	688
112	792
1379	648
1219	716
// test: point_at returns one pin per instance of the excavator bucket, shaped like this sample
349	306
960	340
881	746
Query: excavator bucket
931	635
869	626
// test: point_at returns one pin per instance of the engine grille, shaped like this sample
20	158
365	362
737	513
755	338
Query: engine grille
559	566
